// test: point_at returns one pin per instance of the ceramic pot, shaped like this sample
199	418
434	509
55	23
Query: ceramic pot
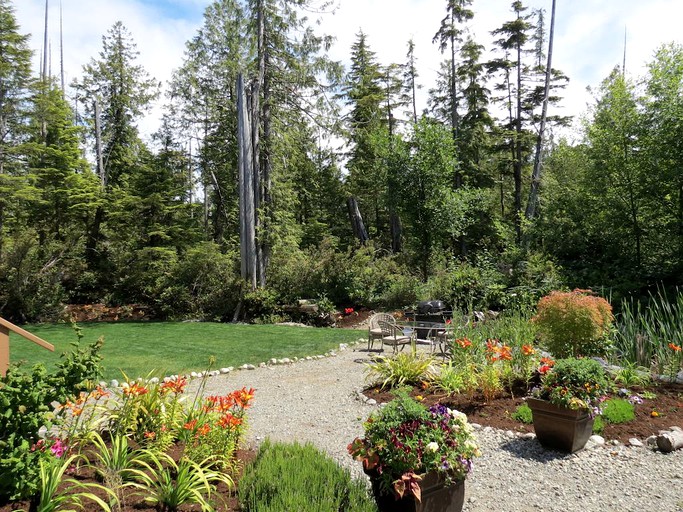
436	496
560	428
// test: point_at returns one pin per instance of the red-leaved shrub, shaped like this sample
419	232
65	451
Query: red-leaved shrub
573	324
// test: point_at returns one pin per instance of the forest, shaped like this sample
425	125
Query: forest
358	199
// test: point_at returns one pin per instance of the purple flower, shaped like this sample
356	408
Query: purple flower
438	409
635	399
466	463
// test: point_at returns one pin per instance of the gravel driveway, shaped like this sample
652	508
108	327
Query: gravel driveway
317	401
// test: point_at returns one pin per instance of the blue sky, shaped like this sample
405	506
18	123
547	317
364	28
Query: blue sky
589	33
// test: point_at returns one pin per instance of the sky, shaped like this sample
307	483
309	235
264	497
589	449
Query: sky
589	35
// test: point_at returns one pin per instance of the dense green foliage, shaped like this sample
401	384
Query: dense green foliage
25	399
618	410
300	477
439	193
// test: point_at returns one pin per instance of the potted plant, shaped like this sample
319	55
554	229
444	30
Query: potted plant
417	458
566	402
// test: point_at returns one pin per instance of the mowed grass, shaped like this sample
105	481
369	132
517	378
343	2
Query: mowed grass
137	348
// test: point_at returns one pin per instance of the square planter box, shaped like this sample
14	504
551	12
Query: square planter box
560	428
436	496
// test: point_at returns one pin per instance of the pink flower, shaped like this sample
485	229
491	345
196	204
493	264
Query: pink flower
58	448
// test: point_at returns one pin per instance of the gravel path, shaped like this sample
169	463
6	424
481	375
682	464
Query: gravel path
317	401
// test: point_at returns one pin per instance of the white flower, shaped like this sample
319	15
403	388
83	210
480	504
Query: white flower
432	447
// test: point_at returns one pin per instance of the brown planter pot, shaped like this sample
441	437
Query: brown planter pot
560	428
436	496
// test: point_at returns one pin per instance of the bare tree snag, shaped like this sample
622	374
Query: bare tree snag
357	225
246	187
538	158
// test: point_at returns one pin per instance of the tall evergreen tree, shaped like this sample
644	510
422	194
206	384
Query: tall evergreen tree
15	81
366	122
68	189
122	91
449	36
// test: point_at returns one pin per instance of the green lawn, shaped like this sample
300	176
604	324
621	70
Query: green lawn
177	347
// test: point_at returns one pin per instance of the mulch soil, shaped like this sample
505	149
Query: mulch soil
667	406
224	499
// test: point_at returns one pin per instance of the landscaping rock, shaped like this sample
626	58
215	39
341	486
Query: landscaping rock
635	443
597	440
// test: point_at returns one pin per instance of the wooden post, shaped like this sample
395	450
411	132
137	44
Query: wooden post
4	350
5	328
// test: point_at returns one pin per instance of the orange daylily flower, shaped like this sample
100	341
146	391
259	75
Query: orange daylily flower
136	389
528	350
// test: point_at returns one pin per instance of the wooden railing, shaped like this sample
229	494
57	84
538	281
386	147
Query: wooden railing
5	328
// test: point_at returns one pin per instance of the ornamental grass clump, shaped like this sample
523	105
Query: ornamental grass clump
574	384
406	440
573	324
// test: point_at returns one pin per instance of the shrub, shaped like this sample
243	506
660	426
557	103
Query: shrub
450	379
574	323
618	410
25	398
523	414
203	284
301	478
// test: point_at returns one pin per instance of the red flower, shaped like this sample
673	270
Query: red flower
348	311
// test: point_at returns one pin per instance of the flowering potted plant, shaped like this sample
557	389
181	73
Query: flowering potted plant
417	457
566	402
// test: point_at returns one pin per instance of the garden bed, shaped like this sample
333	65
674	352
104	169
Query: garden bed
224	499
497	413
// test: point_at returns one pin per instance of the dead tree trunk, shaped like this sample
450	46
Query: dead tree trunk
246	187
357	225
538	159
